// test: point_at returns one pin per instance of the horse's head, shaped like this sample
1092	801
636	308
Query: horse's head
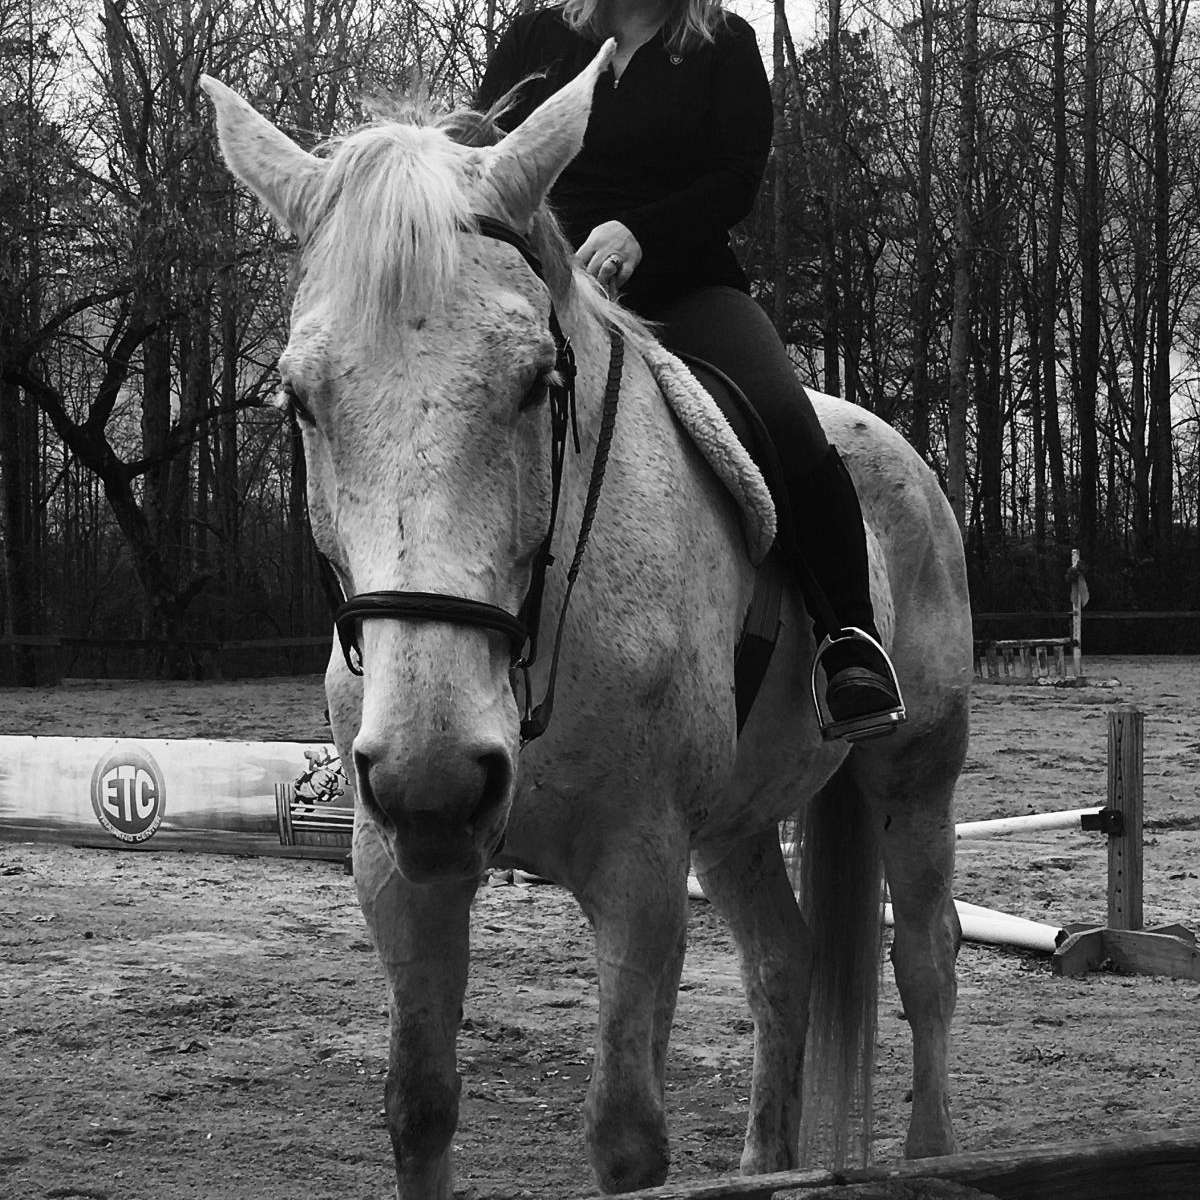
415	348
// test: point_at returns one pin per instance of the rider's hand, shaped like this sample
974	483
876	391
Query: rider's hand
611	254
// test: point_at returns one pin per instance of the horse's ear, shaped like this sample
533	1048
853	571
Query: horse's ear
523	166
282	175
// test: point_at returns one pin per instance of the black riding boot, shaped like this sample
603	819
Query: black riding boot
832	545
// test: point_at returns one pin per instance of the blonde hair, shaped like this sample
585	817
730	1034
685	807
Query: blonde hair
689	23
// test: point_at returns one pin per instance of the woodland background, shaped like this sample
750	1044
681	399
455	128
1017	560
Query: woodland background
980	222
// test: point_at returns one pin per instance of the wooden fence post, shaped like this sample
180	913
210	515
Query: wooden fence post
1079	597
1125	797
1123	942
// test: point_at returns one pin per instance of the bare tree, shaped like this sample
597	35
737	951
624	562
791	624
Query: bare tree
1164	29
964	250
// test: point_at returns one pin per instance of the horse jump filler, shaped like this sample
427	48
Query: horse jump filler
1122	941
1018	659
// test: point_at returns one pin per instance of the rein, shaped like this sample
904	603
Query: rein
521	630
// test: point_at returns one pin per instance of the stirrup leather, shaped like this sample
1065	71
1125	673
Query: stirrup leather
870	725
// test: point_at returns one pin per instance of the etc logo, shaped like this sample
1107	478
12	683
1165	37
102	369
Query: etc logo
128	794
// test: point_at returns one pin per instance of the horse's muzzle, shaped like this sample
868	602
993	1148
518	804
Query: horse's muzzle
442	813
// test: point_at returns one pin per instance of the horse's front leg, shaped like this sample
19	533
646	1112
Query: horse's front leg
421	933
636	899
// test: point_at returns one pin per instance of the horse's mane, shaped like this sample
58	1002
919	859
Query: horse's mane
394	200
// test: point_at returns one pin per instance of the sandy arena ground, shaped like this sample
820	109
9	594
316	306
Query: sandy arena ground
207	1026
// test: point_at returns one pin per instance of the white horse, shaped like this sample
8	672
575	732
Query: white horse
422	342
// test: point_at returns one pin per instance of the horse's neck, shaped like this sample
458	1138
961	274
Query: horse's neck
643	432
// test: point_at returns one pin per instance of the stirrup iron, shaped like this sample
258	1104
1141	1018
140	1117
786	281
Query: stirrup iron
870	725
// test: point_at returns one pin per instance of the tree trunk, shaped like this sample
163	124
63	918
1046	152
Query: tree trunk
779	195
195	386
227	500
1165	43
1089	297
831	299
989	413
1051	265
156	419
1137	350
300	551
922	318
964	250
20	499
1033	327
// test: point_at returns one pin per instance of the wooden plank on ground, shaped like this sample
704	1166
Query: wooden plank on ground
1165	1166
735	1187
1083	951
1137	952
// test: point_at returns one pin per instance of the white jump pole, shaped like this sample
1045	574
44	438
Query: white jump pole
1068	819
973	830
996	928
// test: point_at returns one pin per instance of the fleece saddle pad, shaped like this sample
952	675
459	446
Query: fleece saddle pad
714	436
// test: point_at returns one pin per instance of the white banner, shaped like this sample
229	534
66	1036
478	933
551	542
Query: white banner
248	797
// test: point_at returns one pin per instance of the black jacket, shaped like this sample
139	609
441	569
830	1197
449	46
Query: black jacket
676	151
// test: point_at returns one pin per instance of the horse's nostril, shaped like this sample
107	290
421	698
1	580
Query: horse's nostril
497	778
366	791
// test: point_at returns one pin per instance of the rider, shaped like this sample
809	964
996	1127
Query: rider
674	154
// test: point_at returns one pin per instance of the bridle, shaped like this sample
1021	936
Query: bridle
521	629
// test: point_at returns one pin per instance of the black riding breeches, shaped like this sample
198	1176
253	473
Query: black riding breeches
730	330
825	533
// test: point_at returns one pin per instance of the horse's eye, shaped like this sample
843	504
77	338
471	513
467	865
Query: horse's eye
289	400
537	392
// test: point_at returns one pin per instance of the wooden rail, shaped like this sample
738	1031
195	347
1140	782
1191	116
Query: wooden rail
1065	615
57	641
1165	1166
52	657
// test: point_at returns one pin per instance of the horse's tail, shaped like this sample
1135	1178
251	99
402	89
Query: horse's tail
841	889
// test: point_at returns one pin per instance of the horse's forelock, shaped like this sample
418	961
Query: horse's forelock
386	245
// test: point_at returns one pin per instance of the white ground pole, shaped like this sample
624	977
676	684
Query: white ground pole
995	928
979	924
988	925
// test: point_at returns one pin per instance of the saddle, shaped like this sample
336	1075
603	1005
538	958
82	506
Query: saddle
760	631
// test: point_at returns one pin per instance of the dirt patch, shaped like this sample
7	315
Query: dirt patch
215	1026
